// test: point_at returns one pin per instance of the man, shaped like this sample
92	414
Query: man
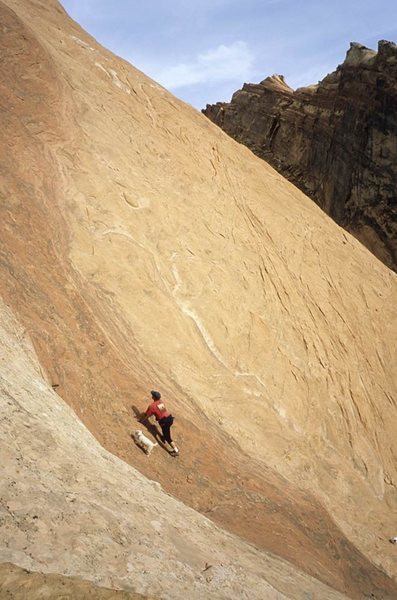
164	419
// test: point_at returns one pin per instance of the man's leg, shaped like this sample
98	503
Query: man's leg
166	428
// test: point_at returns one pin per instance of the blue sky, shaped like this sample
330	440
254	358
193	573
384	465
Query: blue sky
204	50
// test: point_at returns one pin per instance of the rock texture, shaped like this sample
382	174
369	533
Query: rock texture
337	140
141	248
20	584
68	506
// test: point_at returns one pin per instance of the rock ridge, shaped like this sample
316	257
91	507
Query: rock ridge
336	140
141	246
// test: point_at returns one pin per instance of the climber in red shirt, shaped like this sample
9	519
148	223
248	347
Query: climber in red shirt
164	419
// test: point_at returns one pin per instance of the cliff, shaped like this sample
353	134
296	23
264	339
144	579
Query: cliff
142	248
337	140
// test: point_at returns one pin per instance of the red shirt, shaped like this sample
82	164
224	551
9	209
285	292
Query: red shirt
157	408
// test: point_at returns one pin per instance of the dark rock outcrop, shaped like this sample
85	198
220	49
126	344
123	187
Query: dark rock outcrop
337	140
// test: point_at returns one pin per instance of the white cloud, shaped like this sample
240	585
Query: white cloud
224	63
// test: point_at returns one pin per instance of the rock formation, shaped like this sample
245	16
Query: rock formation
141	247
69	506
337	140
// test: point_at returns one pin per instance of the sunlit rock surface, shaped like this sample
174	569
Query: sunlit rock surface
142	248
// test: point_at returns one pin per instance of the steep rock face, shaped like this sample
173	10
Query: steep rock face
337	141
141	247
68	506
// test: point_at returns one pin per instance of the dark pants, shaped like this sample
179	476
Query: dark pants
165	425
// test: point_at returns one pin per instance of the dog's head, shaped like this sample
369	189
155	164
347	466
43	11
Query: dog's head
137	434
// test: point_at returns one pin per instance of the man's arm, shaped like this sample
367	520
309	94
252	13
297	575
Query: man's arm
145	416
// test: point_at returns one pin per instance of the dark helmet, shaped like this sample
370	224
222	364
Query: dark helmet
155	395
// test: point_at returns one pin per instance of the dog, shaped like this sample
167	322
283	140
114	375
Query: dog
143	442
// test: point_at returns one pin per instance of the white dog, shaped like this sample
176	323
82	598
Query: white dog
143	442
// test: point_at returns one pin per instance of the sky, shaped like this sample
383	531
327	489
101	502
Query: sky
202	51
